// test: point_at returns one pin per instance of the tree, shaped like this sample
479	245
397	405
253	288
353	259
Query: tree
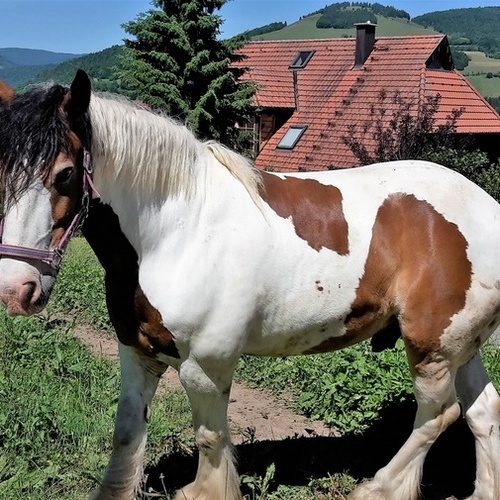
176	63
406	133
403	133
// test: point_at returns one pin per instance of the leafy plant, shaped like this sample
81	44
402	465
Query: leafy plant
346	389
259	486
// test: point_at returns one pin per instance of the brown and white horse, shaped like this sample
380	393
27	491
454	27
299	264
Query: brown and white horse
207	259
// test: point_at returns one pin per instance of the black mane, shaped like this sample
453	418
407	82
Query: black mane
33	131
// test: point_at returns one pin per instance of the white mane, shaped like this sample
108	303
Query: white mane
154	153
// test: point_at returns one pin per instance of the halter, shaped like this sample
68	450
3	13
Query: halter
54	257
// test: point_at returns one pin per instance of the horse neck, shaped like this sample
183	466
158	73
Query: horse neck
154	172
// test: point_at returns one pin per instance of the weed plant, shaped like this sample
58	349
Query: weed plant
58	402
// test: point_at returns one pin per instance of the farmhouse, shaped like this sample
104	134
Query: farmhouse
311	94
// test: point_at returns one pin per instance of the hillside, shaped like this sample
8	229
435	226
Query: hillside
474	29
17	66
34	57
306	28
100	66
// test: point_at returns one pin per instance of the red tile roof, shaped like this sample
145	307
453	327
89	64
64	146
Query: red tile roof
332	96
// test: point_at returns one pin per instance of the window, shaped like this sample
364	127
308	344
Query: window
302	58
291	137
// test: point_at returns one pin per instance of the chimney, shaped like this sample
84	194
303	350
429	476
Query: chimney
365	40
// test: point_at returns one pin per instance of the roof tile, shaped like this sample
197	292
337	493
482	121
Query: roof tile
333	97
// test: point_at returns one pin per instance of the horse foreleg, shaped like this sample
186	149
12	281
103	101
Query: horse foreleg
481	406
139	379
208	393
437	409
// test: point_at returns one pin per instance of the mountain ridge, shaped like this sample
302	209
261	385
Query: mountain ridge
16	71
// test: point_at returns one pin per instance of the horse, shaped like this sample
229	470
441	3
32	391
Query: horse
207	259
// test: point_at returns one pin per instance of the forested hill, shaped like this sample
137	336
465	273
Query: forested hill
472	29
100	66
17	66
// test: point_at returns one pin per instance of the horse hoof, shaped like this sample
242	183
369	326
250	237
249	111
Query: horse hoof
103	495
367	491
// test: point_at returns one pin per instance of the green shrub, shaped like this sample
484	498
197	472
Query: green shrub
346	389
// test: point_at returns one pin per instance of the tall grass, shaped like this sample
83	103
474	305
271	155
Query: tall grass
58	401
57	406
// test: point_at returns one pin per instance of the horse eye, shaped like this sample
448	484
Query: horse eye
64	175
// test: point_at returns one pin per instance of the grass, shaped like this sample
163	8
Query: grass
306	29
58	402
481	63
57	406
477	71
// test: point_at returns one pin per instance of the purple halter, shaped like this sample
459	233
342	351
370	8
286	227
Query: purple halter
54	257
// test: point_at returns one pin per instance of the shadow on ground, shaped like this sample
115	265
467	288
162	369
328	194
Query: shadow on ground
449	468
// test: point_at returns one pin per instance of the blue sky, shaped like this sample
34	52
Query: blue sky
81	26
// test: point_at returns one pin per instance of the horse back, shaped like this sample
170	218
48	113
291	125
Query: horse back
404	247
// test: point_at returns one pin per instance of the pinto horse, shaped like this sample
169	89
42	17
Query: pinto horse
207	259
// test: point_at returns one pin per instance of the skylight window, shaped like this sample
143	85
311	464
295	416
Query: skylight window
302	58
291	137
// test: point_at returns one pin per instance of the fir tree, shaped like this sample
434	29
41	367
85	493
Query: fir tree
176	63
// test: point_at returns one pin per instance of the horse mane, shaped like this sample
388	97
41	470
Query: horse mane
164	156
239	166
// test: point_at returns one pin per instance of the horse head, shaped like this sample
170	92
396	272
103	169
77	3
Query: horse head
43	135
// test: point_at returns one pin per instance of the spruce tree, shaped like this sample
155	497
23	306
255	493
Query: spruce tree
177	63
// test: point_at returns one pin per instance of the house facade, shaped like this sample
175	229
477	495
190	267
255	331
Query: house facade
312	94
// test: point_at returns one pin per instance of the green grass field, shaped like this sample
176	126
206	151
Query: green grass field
477	72
58	402
306	29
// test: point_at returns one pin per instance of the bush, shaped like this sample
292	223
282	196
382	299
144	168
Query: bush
346	389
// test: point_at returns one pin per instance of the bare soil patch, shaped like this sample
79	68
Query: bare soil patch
265	431
254	414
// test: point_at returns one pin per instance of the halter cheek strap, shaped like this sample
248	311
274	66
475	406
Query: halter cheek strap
54	257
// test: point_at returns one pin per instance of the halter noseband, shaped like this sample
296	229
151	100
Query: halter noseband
54	257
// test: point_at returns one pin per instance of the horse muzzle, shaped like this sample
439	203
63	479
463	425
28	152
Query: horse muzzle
25	294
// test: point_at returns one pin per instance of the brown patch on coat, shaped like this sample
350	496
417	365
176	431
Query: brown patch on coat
152	334
65	204
417	271
136	321
315	209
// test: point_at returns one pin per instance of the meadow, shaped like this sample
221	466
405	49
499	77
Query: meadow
483	73
58	402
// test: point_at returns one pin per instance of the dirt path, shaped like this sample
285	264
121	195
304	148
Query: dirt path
254	414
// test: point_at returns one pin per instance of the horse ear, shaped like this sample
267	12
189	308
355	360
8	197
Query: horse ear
77	100
6	93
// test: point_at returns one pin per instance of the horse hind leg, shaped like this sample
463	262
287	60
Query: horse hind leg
438	408
481	407
208	393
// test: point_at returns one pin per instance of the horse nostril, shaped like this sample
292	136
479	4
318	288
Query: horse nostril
29	293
